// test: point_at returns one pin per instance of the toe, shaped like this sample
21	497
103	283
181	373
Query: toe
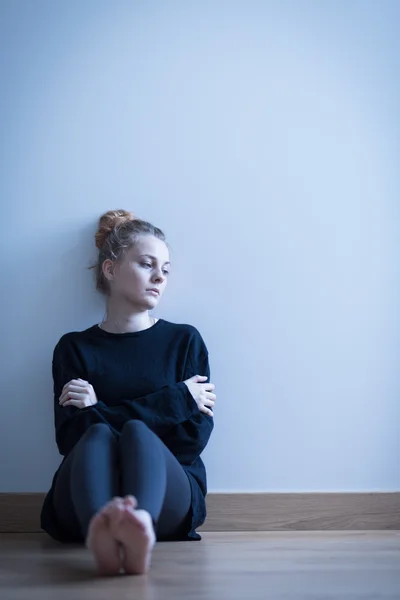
114	513
130	501
133	517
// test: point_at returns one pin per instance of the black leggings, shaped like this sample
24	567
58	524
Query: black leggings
102	466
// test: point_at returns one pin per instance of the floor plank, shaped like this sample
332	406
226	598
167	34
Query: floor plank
236	566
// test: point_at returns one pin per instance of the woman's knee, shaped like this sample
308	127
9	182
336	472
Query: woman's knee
98	430
135	427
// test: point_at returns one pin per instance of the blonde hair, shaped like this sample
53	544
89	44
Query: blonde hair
118	231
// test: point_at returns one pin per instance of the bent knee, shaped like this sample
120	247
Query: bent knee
99	429
135	426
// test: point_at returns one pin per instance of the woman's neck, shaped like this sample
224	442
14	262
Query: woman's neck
120	320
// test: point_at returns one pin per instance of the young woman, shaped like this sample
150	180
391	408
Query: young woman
133	412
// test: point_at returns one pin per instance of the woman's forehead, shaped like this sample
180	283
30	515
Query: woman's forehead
151	246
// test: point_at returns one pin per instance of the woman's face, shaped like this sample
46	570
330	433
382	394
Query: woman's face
142	272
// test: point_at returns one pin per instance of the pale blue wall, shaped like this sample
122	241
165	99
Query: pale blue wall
263	137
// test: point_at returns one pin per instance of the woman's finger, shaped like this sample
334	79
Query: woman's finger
211	396
76	388
75	382
209	387
207	411
209	403
76	396
74	385
71	396
76	403
63	396
80	382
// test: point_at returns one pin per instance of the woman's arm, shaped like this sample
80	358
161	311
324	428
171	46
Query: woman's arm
159	410
188	439
70	422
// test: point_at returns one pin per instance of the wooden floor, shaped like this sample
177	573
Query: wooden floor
362	565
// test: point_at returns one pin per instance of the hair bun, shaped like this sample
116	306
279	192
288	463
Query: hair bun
108	222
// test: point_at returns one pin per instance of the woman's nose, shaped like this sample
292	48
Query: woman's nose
159	277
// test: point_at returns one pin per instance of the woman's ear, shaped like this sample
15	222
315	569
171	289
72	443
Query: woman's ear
108	269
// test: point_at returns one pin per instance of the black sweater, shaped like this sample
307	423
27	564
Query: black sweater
135	375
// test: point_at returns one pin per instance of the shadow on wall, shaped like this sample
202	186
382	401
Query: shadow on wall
66	295
53	292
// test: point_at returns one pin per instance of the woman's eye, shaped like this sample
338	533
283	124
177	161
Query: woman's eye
150	266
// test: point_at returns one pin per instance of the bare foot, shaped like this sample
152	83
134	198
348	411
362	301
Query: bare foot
134	529
104	547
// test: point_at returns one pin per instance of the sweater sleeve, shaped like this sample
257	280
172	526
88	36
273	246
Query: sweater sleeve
159	410
188	439
70	422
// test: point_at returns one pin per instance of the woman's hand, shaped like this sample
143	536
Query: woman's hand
202	393
78	393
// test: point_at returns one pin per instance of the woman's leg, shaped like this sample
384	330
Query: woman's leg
88	478
87	481
152	474
157	495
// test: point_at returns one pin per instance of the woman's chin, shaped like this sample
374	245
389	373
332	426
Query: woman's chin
150	303
143	304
